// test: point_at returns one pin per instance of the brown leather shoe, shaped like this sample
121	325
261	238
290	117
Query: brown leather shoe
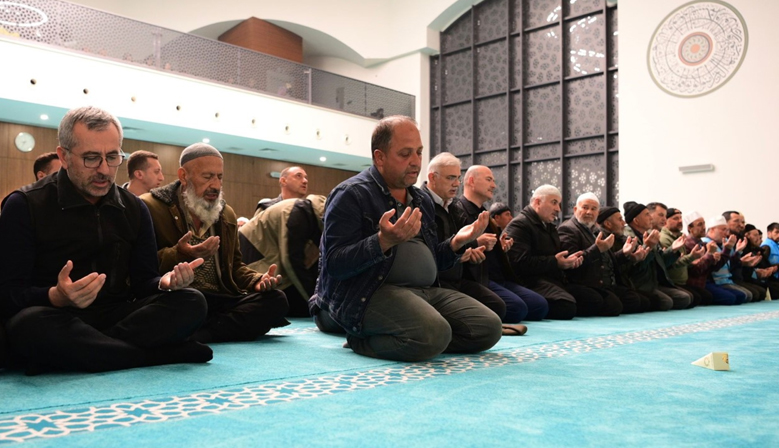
514	329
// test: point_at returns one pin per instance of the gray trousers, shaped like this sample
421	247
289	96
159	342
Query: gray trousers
735	287
680	298
417	324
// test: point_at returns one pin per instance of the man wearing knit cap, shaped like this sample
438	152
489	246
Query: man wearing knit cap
677	272
599	262
650	276
191	220
610	223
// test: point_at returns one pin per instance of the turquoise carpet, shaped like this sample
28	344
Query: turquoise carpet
623	381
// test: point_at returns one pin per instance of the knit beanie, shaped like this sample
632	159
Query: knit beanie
605	213
632	209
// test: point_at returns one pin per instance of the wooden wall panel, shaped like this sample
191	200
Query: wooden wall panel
259	35
246	179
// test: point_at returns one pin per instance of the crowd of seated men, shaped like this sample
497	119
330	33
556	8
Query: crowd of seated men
105	277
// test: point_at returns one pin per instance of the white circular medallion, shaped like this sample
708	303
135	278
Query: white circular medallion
697	48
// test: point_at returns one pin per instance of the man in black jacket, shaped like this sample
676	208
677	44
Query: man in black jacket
443	181
599	261
650	277
79	285
521	303
539	261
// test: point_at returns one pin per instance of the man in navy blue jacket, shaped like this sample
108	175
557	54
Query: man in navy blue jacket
79	285
380	259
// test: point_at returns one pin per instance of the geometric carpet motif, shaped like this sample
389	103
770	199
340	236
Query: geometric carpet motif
60	423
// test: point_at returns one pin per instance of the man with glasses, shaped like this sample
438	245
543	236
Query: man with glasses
79	287
443	181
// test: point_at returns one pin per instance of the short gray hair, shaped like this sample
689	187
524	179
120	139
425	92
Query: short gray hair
588	195
442	160
94	118
545	190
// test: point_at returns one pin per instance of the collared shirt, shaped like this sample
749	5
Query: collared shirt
438	200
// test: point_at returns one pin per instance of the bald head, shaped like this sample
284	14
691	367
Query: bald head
293	182
479	184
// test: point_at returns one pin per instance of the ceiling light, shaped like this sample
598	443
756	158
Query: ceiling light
206	140
44	117
323	159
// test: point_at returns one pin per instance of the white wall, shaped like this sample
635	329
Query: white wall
61	77
734	127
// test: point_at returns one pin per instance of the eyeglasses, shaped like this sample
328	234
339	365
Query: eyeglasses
113	159
451	178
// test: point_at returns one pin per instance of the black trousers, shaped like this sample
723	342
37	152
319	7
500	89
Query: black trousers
243	317
3	347
481	293
700	296
571	300
758	292
632	301
772	286
110	336
298	305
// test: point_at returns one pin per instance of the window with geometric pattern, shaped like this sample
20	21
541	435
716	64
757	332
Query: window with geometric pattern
530	89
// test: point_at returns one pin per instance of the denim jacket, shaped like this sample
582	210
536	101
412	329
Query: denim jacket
352	263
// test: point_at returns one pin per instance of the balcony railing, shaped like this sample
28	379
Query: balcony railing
86	30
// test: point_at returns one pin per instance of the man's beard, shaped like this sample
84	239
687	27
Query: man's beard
206	211
589	224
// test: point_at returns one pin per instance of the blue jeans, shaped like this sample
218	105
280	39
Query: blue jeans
724	296
521	303
417	324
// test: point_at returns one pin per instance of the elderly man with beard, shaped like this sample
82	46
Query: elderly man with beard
540	262
677	272
191	220
597	270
